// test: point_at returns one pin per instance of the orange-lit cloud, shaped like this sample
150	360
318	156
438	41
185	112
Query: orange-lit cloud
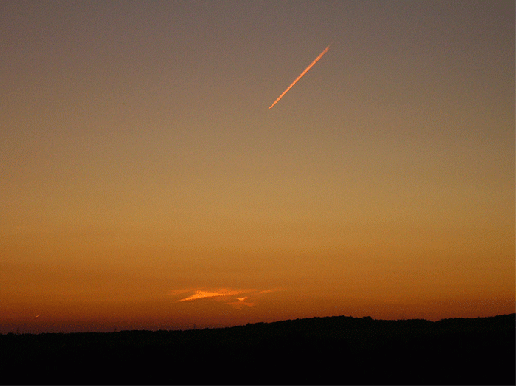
241	302
225	295
201	294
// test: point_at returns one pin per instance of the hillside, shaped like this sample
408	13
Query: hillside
336	350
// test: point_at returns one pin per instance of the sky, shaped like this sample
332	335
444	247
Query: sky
146	183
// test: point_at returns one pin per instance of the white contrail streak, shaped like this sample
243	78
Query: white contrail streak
300	76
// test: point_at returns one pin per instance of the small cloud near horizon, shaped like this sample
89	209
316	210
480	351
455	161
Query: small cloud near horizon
222	295
201	294
240	303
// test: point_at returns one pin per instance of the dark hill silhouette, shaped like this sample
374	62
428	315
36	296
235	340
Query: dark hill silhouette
331	350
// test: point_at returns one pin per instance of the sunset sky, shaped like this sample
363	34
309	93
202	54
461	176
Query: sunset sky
145	183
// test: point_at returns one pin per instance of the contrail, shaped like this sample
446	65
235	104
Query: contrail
300	76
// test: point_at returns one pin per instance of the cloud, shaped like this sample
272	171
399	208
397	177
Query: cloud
241	303
201	294
226	295
268	291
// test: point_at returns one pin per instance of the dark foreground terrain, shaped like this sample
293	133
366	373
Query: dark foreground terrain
333	350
